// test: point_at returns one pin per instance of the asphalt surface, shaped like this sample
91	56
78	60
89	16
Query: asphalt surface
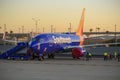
60	69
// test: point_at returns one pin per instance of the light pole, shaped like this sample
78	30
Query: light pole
51	28
69	28
36	22
0	28
19	30
4	33
22	29
115	34
43	29
4	28
96	34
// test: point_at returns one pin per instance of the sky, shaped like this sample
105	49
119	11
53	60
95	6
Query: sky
59	13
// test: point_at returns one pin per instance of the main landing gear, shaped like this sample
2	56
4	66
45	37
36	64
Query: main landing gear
51	56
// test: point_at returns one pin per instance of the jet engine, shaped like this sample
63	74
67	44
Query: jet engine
76	53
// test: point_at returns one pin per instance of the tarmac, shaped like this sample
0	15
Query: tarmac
60	69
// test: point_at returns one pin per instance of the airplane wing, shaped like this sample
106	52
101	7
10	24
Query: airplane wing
102	44
91	45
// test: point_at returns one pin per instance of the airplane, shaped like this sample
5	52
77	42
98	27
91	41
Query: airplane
49	43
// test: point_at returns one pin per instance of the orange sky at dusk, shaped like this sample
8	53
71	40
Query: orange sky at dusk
59	13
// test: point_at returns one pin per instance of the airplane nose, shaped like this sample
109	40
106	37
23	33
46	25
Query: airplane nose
31	44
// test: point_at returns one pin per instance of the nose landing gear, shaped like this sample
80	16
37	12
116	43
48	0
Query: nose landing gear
41	58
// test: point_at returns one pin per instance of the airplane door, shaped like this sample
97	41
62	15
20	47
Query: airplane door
50	44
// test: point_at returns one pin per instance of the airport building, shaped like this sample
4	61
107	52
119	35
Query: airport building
91	37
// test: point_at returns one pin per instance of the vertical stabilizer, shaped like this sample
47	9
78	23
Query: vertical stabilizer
79	31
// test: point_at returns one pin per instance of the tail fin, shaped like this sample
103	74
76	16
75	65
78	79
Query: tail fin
80	28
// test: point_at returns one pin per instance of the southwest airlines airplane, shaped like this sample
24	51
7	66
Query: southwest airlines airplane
49	43
43	44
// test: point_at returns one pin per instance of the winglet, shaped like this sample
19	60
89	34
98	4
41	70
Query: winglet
79	31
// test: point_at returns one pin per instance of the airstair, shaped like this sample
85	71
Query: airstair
10	54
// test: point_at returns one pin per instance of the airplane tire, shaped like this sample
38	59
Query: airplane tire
51	56
8	58
73	57
21	58
13	58
41	58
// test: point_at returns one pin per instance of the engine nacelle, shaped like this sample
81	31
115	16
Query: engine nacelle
76	53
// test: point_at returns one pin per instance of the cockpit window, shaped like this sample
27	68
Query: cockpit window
41	40
33	39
